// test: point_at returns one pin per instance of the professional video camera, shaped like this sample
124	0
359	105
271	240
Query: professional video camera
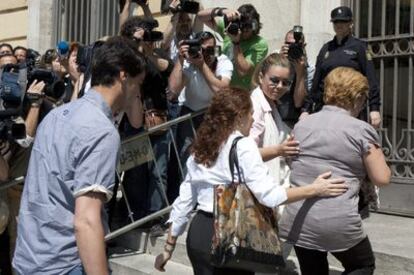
296	49
11	98
55	87
194	47
187	6
241	23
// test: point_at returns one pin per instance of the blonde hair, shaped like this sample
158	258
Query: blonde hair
274	59
344	86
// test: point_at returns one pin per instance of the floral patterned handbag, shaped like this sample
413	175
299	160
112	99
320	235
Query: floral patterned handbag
245	232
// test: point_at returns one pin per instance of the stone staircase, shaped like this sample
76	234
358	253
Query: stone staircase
392	238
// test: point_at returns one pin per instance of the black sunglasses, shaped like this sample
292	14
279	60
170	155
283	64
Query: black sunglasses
276	80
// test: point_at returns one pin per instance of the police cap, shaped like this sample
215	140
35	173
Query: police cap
342	13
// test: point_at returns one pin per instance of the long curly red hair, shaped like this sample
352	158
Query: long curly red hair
228	109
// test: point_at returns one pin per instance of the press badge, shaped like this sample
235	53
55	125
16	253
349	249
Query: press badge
350	52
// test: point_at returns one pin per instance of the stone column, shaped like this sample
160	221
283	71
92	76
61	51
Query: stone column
39	36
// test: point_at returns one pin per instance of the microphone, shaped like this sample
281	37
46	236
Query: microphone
62	49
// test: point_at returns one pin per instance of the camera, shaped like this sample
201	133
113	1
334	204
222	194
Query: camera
187	6
194	47
54	87
242	23
296	49
11	97
152	36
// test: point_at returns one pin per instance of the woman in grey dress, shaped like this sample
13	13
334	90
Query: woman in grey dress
334	140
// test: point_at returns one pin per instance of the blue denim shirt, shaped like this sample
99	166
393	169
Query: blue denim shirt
75	151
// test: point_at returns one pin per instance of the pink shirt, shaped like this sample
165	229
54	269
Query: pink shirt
260	107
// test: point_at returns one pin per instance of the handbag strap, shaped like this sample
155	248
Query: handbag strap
234	161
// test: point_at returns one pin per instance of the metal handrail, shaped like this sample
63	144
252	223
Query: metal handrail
166	125
11	183
137	223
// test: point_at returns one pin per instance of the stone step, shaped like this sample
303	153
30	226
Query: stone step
143	264
392	239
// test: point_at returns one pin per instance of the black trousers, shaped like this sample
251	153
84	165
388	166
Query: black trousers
199	247
358	260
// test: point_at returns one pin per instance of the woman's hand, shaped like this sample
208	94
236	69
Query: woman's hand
325	187
288	148
162	260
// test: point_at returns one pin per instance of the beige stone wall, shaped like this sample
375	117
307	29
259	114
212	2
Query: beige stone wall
14	22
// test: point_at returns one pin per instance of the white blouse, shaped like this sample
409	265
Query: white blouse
198	185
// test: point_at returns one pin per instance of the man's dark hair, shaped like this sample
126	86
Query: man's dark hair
249	14
204	35
6	45
115	55
134	22
19	48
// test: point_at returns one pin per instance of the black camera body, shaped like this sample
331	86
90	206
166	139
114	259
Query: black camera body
234	26
295	51
153	36
186	6
54	87
194	47
10	130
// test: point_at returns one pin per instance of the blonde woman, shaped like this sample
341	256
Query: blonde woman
271	134
335	140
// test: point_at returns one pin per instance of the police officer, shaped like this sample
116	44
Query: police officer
347	51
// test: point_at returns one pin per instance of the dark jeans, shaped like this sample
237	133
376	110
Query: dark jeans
358	260
199	239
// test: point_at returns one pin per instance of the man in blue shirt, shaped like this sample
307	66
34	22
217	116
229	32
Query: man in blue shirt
72	168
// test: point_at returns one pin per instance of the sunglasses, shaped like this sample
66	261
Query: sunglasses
276	80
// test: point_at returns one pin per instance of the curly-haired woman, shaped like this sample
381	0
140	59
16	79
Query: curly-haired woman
229	116
335	140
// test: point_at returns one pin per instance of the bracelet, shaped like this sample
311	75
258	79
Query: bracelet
35	105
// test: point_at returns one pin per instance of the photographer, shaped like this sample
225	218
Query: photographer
125	6
302	75
150	197
5	48
201	73
20	53
242	43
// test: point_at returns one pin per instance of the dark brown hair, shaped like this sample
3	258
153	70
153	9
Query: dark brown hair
227	110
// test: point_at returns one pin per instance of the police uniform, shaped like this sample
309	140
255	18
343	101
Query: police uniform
350	52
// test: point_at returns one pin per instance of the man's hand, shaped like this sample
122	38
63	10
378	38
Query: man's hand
375	119
284	50
183	50
198	61
36	87
300	66
231	14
